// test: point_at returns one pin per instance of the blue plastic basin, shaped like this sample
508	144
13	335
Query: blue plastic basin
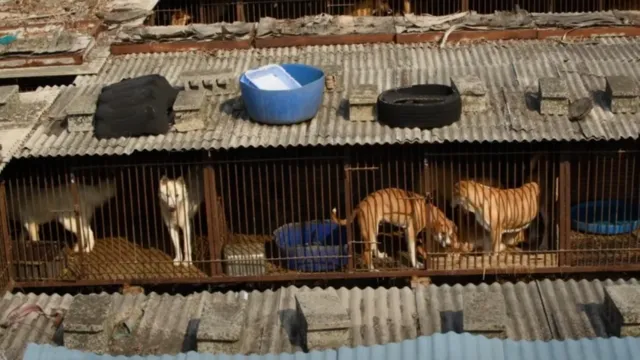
317	246
284	107
605	217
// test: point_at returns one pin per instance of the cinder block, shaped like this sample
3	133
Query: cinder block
622	92
622	309
473	93
362	103
485	313
221	326
88	323
324	321
554	96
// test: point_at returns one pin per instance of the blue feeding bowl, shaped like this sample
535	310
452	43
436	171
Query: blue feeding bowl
284	107
313	246
605	217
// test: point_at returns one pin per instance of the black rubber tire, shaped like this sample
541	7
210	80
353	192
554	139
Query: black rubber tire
438	105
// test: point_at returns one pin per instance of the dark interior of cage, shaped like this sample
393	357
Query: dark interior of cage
605	209
274	206
212	11
276	210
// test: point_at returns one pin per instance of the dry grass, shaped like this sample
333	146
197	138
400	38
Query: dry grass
603	250
118	258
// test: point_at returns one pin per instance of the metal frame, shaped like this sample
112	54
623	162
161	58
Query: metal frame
226	177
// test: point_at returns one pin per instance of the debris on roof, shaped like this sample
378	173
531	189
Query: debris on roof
194	32
44	46
519	19
324	24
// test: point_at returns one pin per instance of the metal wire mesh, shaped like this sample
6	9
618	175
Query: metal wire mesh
182	12
272	217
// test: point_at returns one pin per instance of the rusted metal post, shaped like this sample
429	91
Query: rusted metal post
348	207
79	232
464	5
564	211
240	11
213	225
426	187
6	236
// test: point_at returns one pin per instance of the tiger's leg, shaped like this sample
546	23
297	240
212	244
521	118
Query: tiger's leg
411	243
366	255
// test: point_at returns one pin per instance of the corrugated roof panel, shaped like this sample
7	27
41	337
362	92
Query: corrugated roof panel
542	310
48	352
437	347
513	67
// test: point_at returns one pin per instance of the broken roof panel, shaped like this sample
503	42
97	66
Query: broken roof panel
164	324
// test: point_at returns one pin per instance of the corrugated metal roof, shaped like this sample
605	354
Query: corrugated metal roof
543	311
19	120
436	347
92	62
512	66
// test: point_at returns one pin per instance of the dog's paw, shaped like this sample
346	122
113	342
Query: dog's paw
187	263
419	265
177	261
76	248
382	255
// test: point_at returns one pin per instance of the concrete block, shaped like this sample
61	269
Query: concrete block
192	112
622	309
82	105
332	77
88	323
324	321
553	95
221	326
189	101
622	93
221	81
485	313
362	103
80	113
473	93
80	123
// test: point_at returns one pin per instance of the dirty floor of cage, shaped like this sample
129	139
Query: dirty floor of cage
602	250
118	258
511	260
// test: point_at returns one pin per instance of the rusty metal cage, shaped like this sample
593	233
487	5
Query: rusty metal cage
320	213
182	12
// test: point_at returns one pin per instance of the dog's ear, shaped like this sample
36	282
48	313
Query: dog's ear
164	180
180	180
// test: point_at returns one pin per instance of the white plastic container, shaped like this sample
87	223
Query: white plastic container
271	77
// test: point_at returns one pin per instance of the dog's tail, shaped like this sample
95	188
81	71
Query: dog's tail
343	222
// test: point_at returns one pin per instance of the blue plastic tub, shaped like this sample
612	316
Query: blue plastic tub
284	107
271	77
605	217
315	245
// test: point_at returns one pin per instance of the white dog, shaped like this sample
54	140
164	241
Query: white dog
33	207
180	200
